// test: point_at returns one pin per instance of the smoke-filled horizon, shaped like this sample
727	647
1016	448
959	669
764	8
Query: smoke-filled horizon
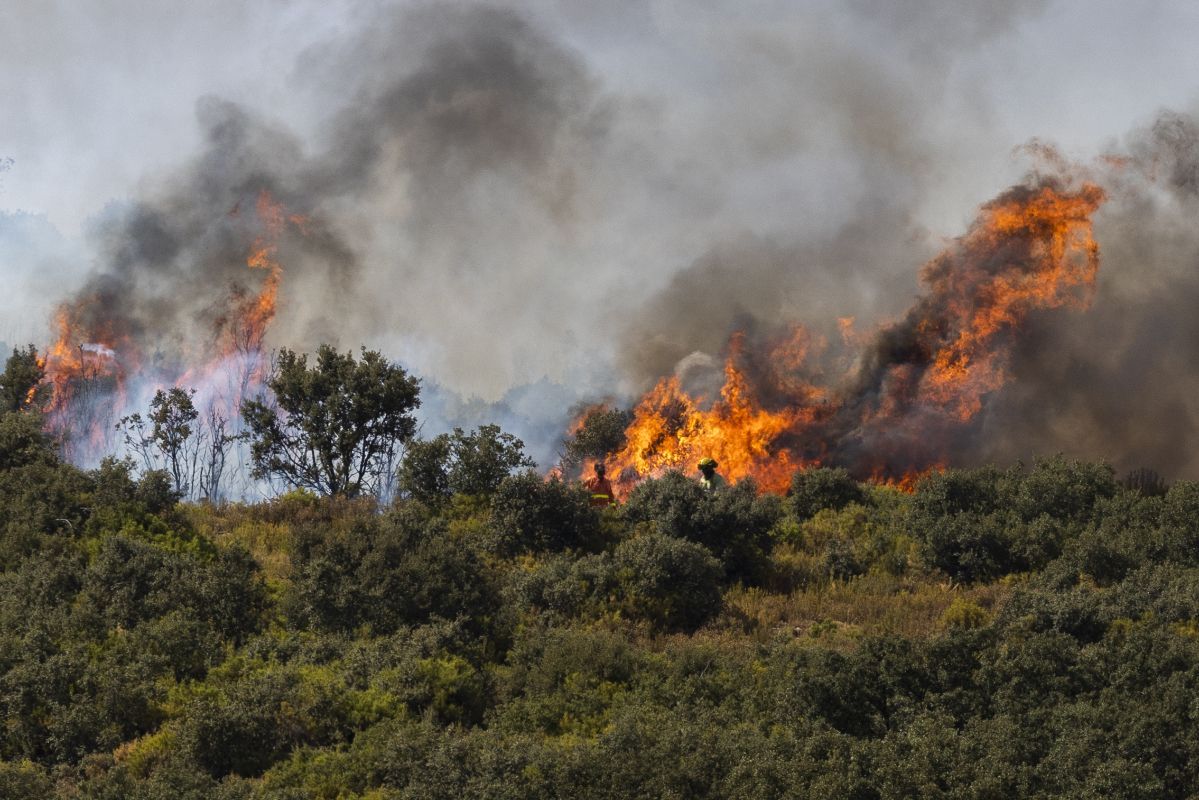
549	203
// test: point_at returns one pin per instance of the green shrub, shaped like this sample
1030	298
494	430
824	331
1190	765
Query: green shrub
24	780
39	497
23	442
246	727
734	524
130	582
530	513
965	615
969	547
472	463
958	491
673	583
563	587
1063	488
385	573
814	490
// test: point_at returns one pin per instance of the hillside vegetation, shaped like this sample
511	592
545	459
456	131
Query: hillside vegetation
1029	632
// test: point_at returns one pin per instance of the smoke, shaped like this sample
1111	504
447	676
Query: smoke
466	162
174	262
1104	375
858	131
482	204
441	199
516	200
1118	382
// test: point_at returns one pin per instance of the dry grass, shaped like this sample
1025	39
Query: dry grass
267	542
848	610
232	524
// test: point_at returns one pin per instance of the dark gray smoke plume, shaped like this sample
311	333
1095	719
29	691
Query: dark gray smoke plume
850	246
447	118
1119	381
174	263
1114	381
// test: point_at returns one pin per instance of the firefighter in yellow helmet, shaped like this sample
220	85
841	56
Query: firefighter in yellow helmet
600	488
710	480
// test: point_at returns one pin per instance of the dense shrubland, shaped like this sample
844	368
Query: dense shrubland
1030	632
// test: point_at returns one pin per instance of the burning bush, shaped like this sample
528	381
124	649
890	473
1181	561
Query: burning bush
599	432
915	389
21	382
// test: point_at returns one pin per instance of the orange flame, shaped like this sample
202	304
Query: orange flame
94	351
1063	260
1031	249
670	430
242	333
255	315
31	394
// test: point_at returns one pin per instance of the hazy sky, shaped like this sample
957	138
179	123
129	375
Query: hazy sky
799	159
99	94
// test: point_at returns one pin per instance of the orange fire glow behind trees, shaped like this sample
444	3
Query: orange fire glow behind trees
915	382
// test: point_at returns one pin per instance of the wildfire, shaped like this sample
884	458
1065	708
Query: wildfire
96	352
84	353
31	394
241	333
1026	253
255	314
672	430
919	380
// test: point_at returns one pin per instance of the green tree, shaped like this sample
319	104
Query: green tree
21	382
424	472
472	463
334	426
173	414
601	433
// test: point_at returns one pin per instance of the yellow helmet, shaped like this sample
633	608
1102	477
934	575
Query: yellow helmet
708	461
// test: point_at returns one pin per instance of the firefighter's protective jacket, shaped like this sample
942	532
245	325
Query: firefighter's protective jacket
600	489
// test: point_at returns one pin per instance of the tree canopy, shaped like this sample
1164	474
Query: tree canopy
472	463
332	426
1019	632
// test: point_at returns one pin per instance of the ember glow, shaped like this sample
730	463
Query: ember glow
913	387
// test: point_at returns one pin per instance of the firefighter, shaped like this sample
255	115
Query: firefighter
710	480
600	488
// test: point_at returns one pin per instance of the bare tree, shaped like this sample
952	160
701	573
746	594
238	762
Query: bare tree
211	459
193	449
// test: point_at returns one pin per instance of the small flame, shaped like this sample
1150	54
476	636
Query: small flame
31	394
